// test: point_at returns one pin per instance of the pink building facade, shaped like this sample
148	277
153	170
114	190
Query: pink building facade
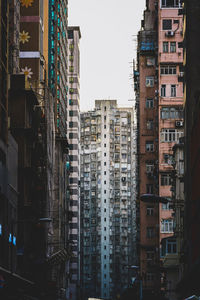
159	94
170	124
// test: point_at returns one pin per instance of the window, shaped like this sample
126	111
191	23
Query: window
165	206
104	200
104	126
150	276
169	3
104	145
150	211
149	167
104	181
171	246
167	226
149	146
163	90
165	179
172	112
71	79
149	103
168	70
173	90
149	188
171	135
104	118
104	153
167	24
150	124
104	172
104	136
71	69
104	108
150	61
71	102
173	47
104	191
104	209
165	47
104	228
105	163
150	232
124	156
168	158
149	81
104	238
150	255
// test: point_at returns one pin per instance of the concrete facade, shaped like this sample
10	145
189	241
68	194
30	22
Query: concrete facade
108	218
159	102
73	134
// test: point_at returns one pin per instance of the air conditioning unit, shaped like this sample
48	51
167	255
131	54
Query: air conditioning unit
179	123
181	74
156	92
169	33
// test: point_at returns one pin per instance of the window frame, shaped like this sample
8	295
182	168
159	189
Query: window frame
168	70
173	90
149	146
165	47
150	124
175	5
150	211
167	26
149	104
165	179
170	135
163	90
167	226
149	81
172	47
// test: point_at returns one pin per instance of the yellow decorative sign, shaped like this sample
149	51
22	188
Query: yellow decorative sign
24	37
27	72
26	3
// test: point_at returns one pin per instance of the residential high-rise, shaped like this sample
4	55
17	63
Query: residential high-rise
108	200
146	90
73	134
159	96
170	63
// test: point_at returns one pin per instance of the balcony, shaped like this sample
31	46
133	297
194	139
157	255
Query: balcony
171	260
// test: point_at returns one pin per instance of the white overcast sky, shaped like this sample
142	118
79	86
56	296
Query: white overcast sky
108	46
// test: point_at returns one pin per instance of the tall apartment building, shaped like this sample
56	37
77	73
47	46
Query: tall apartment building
108	229
170	61
159	96
146	89
73	134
